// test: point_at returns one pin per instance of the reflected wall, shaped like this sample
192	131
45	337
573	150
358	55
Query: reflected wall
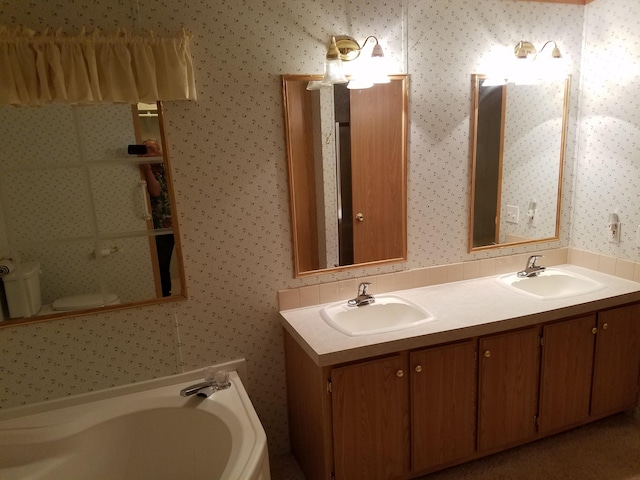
72	200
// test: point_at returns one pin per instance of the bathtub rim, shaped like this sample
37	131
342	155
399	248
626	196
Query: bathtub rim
9	413
256	460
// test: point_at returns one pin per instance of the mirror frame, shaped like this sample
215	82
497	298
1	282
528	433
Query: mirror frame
292	183
183	295
475	84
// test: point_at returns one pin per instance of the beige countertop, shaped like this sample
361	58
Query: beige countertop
462	310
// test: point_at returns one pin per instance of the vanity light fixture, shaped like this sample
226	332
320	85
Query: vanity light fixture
531	66
345	49
525	49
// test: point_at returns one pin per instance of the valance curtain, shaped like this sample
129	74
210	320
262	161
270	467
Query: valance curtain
119	67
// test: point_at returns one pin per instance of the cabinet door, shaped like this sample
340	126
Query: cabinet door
508	388
443	404
370	403
567	363
617	360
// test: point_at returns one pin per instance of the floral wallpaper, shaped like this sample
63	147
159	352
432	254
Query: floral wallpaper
608	170
229	161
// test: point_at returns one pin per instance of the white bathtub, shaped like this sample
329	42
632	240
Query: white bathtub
140	431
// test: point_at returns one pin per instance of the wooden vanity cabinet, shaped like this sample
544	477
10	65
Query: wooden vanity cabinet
411	413
566	372
590	368
508	389
443	404
309	408
617	361
390	420
370	404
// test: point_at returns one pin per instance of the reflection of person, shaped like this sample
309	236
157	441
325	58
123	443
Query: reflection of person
154	175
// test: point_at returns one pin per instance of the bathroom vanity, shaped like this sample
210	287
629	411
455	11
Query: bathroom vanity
493	369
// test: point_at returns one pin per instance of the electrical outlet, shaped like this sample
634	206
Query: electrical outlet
513	214
614	228
614	232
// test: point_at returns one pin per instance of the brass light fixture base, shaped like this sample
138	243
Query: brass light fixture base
348	47
523	49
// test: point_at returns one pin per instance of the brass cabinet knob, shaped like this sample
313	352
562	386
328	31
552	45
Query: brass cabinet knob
400	373
605	326
487	353
594	330
359	217
418	368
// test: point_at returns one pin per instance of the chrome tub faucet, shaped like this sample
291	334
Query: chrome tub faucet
202	389
213	381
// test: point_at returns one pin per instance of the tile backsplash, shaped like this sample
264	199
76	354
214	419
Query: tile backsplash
424	277
421	277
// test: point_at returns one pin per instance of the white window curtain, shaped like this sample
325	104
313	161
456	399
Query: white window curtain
119	67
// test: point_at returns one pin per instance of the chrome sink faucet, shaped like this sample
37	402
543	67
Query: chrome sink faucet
532	269
363	298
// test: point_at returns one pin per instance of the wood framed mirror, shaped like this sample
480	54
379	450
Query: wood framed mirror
518	136
347	163
76	214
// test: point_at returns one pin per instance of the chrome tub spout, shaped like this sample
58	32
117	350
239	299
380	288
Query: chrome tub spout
197	388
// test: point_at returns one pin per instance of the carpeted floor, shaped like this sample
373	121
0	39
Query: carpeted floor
605	450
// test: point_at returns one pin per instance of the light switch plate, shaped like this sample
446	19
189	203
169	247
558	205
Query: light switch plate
513	214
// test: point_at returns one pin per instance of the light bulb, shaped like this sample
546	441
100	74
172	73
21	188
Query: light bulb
333	70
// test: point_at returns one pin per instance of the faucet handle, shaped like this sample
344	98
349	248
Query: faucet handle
362	288
533	259
209	374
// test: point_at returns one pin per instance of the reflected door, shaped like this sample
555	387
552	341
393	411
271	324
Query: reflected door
379	208
488	176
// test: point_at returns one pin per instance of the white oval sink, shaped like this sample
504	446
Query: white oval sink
387	314
552	283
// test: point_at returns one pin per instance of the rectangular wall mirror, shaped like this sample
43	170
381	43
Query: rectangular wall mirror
78	220
517	158
347	157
